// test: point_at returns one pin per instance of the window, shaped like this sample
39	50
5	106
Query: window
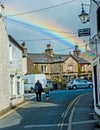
12	87
43	68
18	86
98	20
70	68
83	67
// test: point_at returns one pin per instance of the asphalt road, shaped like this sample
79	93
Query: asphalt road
53	115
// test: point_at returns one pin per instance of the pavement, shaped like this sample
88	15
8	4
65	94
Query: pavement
83	114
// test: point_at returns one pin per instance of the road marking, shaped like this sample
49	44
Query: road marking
85	122
71	116
63	124
73	103
41	125
73	109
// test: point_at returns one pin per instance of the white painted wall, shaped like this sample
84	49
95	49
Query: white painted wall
4	66
93	25
16	74
96	61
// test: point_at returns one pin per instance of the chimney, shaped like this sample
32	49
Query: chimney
24	48
76	51
86	45
76	47
49	50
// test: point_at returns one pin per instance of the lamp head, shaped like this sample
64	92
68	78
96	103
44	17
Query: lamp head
84	16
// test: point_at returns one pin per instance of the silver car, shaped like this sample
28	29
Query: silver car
79	83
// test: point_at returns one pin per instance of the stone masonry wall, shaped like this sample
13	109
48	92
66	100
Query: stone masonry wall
4	67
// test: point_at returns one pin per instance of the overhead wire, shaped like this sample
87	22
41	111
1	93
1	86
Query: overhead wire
39	10
43	9
49	29
44	39
68	49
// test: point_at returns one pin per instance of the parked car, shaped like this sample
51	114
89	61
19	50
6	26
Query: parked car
79	83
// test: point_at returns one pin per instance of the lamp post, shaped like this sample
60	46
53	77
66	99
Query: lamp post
84	17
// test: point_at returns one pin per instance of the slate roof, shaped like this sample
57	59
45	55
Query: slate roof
46	59
43	58
80	60
13	40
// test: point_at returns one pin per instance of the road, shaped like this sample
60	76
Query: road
53	115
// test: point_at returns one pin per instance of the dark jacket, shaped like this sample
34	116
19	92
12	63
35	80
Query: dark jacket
38	87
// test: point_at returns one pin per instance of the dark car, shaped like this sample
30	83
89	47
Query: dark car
79	83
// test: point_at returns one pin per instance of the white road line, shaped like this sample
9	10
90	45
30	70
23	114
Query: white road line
61	124
71	116
85	122
41	125
70	119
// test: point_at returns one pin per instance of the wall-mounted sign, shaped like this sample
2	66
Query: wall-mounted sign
84	32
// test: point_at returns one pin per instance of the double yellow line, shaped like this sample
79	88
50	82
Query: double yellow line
69	107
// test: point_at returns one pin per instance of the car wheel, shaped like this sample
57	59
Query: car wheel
74	87
90	86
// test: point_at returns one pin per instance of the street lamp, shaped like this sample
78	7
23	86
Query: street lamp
84	17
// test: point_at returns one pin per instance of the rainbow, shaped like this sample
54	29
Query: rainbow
50	30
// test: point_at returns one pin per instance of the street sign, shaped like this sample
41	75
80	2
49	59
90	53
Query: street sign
84	32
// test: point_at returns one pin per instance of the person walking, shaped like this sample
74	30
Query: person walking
47	90
38	90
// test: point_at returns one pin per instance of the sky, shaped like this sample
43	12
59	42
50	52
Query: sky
40	22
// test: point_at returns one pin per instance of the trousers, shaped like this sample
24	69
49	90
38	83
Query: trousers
38	96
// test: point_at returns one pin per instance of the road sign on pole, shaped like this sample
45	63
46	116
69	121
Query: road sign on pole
84	32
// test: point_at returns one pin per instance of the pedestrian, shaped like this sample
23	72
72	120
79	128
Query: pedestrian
47	90
38	90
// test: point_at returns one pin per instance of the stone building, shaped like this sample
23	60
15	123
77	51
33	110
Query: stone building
11	69
4	64
27	62
95	48
16	72
58	65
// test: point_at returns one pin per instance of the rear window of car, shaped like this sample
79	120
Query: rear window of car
85	81
77	80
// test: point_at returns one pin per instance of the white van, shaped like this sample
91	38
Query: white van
31	79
